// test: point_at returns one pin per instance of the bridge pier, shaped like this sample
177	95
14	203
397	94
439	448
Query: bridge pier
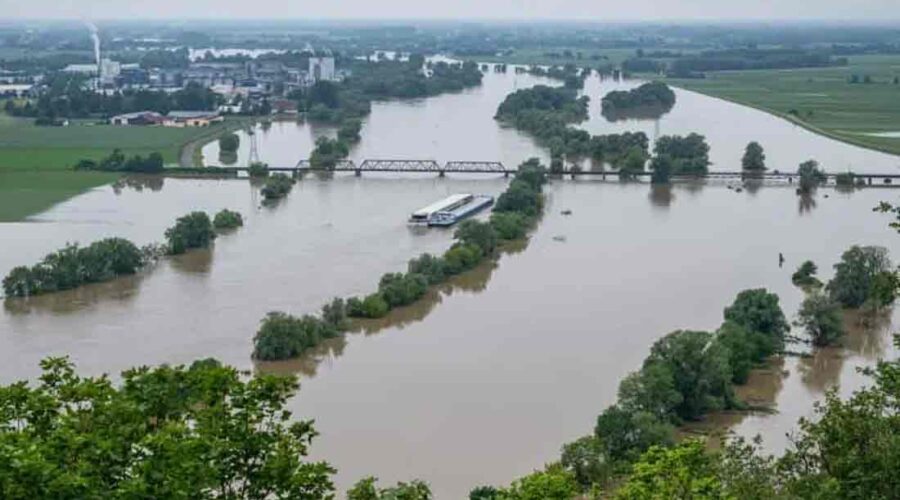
869	181
506	174
357	172
440	173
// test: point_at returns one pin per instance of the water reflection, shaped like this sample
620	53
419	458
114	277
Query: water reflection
642	113
760	393
228	158
123	290
195	262
752	185
806	204
661	195
139	183
866	335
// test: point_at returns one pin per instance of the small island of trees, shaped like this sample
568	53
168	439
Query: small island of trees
648	101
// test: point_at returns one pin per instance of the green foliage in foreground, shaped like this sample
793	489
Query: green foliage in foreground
228	219
74	266
202	432
193	230
366	489
277	186
552	483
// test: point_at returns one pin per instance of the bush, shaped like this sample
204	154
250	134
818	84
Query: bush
335	313
477	233
855	273
227	219
373	306
461	258
510	225
845	179
520	197
117	162
282	336
398	289
810	176
277	186
229	143
758	311
689	154
429	266
257	169
194	230
820	316
74	266
349	131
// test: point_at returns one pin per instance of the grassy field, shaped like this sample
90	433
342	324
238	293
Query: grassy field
821	99
35	162
540	56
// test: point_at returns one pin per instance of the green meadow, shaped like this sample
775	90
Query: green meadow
36	162
821	99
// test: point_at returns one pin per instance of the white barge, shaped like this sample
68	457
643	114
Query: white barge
450	203
447	218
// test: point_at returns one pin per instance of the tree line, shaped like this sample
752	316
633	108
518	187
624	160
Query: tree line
548	113
118	162
68	96
378	80
74	266
282	336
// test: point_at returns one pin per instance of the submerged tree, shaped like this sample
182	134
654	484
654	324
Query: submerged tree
754	158
810	176
820	317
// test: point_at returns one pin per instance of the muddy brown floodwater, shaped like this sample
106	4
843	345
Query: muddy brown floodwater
485	380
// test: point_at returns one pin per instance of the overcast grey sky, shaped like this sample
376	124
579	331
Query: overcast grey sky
598	10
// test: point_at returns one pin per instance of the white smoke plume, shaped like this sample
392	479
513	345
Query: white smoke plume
95	36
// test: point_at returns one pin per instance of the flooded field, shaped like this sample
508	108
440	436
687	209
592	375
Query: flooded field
485	380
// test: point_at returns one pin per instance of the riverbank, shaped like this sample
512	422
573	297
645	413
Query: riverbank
36	162
821	100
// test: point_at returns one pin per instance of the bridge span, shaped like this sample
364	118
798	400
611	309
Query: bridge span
425	166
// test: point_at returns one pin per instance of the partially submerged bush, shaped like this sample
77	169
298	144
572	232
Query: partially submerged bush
227	219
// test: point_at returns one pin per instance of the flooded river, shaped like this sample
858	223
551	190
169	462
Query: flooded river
485	380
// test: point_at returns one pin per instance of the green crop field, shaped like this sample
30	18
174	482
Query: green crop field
821	99
36	162
554	56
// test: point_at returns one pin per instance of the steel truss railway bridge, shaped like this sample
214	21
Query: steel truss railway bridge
495	167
